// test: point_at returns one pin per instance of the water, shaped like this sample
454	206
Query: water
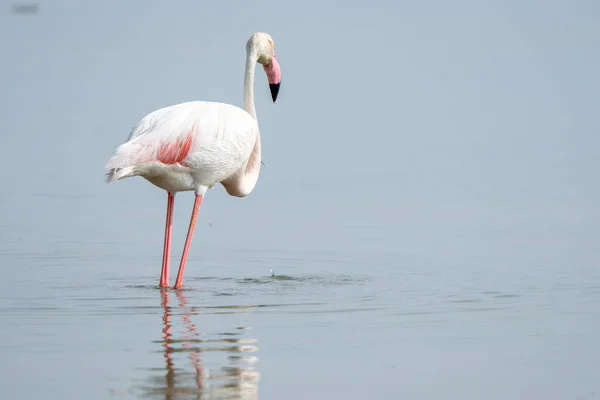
322	324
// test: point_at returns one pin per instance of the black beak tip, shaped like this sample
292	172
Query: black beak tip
274	90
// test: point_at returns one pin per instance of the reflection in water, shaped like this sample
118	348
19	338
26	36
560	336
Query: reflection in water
192	380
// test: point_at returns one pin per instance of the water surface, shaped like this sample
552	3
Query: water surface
321	324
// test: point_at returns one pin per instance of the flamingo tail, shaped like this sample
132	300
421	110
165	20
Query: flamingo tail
114	174
124	163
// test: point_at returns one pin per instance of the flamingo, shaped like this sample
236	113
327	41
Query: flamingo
193	146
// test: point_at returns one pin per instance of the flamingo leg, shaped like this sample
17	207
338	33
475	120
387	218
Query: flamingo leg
164	275
188	241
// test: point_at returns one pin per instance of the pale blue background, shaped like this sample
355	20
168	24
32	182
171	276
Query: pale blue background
428	147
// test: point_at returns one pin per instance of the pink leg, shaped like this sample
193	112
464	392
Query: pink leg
188	241
164	275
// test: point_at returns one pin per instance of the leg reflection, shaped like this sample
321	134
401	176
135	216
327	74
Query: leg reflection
229	354
192	335
170	377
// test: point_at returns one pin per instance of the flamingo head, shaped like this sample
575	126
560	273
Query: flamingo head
264	47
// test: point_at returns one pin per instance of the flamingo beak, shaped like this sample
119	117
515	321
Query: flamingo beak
274	90
273	72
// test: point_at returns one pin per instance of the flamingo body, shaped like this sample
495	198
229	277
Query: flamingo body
188	146
195	145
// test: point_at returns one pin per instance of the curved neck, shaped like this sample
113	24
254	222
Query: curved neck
249	82
243	182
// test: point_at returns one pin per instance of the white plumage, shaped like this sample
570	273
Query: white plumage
221	136
195	145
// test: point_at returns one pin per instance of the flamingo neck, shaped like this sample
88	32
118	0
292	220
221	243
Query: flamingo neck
244	181
249	82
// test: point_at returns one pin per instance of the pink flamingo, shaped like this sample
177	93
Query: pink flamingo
195	145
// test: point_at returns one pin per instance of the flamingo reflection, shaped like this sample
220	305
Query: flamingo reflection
238	380
168	344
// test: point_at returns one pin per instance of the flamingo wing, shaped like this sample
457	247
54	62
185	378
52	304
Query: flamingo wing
173	135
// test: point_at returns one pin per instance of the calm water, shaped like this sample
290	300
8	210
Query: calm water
83	319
